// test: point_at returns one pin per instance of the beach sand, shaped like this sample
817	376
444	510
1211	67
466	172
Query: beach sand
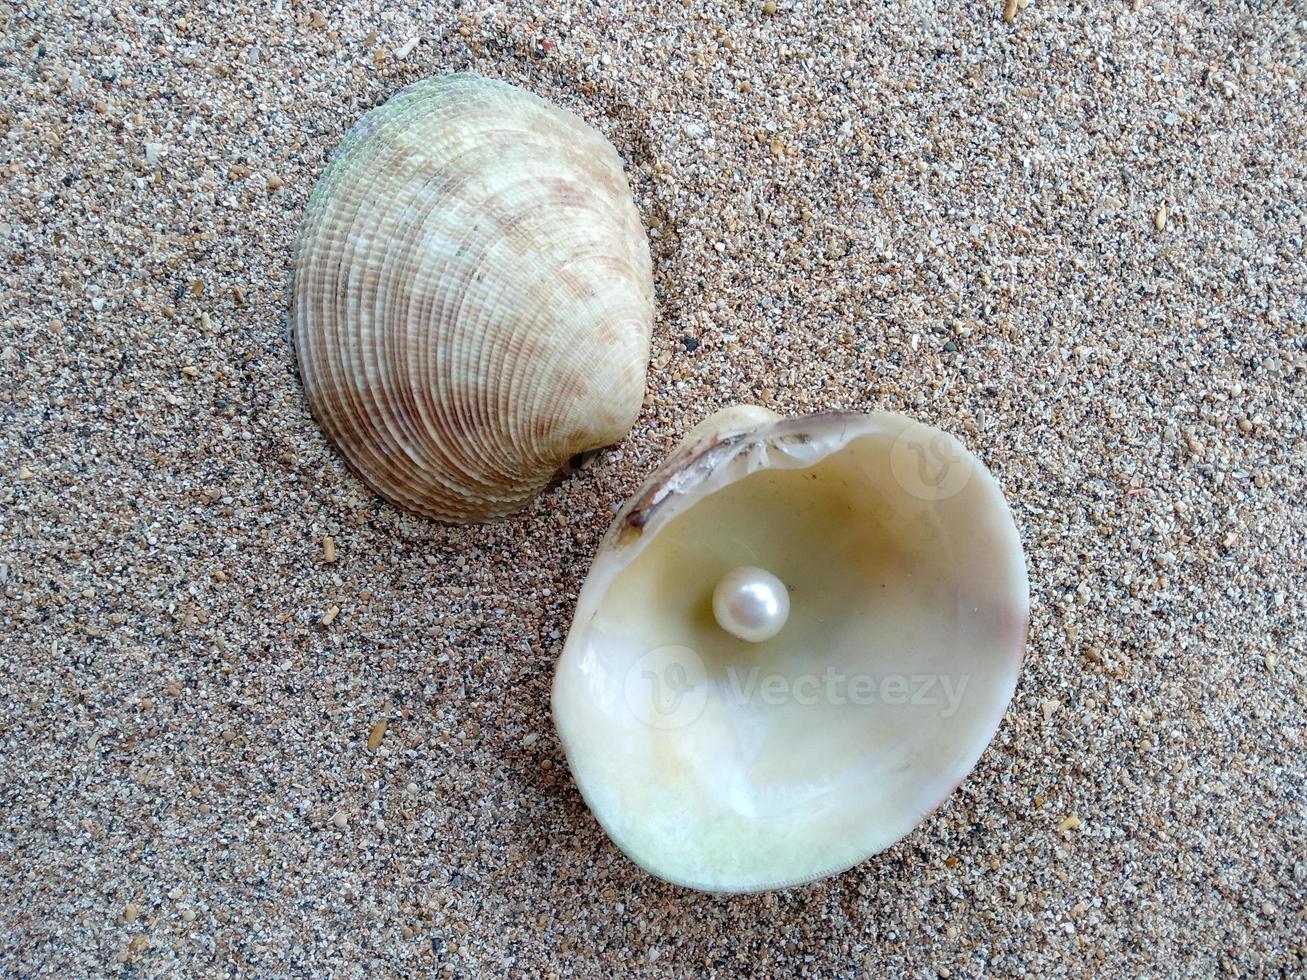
1074	240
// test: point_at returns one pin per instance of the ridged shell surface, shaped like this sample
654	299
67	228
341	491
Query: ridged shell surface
473	297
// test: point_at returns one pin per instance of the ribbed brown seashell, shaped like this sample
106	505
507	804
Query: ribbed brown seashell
473	298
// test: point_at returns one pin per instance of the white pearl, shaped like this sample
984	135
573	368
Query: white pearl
751	603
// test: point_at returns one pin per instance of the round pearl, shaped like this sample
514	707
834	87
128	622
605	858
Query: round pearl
751	603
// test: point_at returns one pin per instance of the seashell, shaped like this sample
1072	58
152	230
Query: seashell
795	641
473	297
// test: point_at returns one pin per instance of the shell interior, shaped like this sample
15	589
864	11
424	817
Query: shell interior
735	766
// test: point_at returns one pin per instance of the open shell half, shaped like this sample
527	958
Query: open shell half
725	762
